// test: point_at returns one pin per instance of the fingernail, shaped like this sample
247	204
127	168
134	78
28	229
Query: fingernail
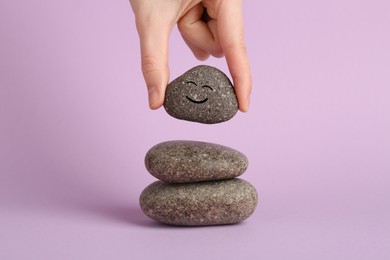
246	104
153	98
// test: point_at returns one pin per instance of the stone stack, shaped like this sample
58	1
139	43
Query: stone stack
198	182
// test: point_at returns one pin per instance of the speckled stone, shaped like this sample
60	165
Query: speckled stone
199	204
203	94
192	161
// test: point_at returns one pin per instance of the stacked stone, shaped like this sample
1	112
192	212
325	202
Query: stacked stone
198	182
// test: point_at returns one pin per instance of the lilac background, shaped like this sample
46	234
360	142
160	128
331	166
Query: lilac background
75	125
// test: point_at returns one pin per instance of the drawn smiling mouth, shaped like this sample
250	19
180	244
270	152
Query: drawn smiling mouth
196	101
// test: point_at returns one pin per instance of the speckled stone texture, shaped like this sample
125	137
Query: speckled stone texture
192	161
199	204
203	94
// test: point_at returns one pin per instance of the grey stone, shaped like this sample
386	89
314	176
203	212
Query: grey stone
203	94
199	204
192	161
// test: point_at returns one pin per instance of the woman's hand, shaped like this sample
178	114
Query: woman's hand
219	32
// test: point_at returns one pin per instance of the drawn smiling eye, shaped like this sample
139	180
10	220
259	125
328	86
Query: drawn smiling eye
206	86
198	101
191	82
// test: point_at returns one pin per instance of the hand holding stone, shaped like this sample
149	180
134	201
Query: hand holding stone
220	34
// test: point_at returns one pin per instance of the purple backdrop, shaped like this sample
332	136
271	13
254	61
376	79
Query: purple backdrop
75	126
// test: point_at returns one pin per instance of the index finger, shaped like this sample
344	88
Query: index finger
231	35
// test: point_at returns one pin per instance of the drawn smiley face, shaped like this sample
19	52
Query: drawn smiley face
194	100
203	94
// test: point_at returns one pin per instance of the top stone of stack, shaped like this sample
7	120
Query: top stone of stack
203	94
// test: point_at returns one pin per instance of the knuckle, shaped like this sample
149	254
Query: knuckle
237	43
182	26
149	64
237	46
218	53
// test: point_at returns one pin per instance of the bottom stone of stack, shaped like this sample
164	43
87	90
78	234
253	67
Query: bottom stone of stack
199	204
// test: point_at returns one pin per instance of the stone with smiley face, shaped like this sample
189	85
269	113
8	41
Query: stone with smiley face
203	94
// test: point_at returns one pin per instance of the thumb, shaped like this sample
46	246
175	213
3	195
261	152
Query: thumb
154	59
